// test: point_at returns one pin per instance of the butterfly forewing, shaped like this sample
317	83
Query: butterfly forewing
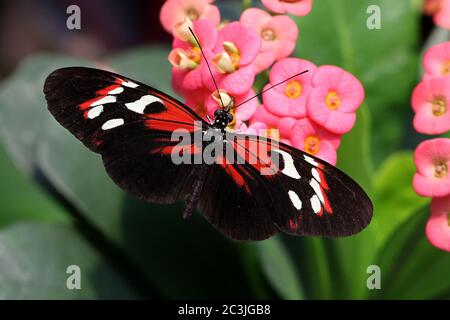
129	124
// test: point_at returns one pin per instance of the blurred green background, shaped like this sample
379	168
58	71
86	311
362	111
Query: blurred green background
59	208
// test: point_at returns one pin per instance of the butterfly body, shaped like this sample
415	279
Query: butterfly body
240	192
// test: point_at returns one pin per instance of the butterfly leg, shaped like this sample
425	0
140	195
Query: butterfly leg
197	187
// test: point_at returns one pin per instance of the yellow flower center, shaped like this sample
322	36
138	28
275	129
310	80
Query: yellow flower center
293	89
192	14
333	101
312	145
440	169
268	34
272	133
195	54
233	52
438	107
445	69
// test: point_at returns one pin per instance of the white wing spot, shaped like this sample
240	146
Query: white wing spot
315	204
295	200
95	112
104	100
311	160
139	105
289	167
315	174
129	84
315	185
116	90
112	124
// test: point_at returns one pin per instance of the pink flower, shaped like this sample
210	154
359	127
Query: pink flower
296	7
289	98
176	11
187	60
235	51
438	225
315	140
431	102
335	97
196	100
240	114
432	159
271	121
440	10
278	36
436	61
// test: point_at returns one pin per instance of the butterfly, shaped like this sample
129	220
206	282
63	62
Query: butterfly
131	126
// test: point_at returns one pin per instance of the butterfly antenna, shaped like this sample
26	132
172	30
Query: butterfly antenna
209	68
295	75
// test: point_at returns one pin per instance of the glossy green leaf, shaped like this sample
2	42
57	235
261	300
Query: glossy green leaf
23	111
22	200
34	260
394	197
412	268
385	60
279	269
311	260
147	64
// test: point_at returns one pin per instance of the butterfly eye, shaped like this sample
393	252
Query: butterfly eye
217	112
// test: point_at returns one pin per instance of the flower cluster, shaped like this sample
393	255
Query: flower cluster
431	103
309	111
440	10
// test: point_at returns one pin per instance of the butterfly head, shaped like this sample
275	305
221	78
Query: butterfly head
222	118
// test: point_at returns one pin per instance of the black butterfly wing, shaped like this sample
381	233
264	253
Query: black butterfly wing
304	196
129	124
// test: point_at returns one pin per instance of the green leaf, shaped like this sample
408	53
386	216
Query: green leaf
385	60
23	111
34	259
311	259
148	64
394	197
354	156
22	200
411	268
279	269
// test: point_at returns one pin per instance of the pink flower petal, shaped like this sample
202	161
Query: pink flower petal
427	156
429	119
438	225
435	59
328	142
299	8
255	18
174	11
244	38
279	104
337	121
238	82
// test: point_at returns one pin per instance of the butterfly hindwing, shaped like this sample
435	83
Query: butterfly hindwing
305	196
